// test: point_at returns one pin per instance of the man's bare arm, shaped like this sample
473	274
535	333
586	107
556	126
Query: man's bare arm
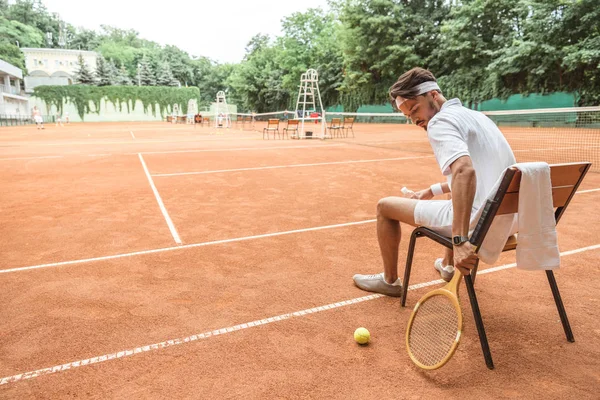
464	186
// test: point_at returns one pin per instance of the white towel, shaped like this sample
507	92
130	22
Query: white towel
501	229
537	247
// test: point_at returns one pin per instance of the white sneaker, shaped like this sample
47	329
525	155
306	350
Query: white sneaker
376	283
446	272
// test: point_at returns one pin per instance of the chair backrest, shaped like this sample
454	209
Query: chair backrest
293	122
273	123
348	122
565	179
248	119
336	122
205	119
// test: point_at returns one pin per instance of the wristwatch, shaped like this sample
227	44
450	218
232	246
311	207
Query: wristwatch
458	240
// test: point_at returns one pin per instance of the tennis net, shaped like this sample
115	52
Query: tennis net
552	135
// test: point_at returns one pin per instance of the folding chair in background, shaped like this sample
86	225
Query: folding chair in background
565	179
335	126
272	126
347	126
292	125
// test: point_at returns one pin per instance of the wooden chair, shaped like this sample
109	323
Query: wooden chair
272	126
347	126
247	120
565	178
169	118
292	125
206	121
335	126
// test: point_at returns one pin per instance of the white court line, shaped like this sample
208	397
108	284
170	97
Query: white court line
29	158
160	203
589	191
194	245
291	166
239	149
99	155
247	325
132	135
185	246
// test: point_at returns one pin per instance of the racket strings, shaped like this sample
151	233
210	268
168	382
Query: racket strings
434	330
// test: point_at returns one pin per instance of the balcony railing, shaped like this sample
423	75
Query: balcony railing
11	90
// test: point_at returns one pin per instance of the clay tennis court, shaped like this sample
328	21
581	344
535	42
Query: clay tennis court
237	283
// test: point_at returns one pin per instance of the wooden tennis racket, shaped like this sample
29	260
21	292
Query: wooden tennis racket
435	326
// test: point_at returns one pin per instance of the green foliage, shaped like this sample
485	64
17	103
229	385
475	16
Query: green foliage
104	74
478	49
122	78
83	75
12	54
15	31
146	75
164	76
84	97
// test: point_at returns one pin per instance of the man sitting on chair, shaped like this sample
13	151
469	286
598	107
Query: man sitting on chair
471	152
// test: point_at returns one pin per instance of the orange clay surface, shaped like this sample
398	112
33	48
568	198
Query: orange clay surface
99	301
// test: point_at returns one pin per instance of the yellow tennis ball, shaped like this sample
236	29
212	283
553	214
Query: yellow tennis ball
362	336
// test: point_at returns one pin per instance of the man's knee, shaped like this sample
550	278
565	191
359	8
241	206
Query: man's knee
383	206
397	208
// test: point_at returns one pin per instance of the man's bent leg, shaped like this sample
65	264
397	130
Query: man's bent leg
390	212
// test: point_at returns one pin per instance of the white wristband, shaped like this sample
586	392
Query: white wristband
436	189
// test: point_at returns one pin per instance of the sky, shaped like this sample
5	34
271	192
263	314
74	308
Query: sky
218	29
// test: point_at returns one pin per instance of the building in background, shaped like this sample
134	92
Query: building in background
13	101
54	66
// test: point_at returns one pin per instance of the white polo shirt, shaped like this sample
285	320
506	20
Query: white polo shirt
457	131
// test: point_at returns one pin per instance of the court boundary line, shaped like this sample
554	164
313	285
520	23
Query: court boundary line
184	246
178	151
159	200
30	158
589	190
247	325
199	244
132	135
242	149
291	166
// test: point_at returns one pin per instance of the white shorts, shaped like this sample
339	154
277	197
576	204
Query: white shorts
38	119
436	215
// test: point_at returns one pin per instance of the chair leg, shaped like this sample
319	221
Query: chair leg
474	271
559	305
479	322
409	259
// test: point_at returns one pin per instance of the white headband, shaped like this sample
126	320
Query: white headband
420	89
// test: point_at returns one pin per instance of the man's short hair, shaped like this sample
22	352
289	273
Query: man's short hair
405	86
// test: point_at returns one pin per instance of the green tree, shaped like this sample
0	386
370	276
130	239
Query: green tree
12	54
164	76
83	75
84	39
15	31
146	75
123	78
105	75
383	38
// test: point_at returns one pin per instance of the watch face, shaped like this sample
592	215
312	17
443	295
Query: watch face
459	239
